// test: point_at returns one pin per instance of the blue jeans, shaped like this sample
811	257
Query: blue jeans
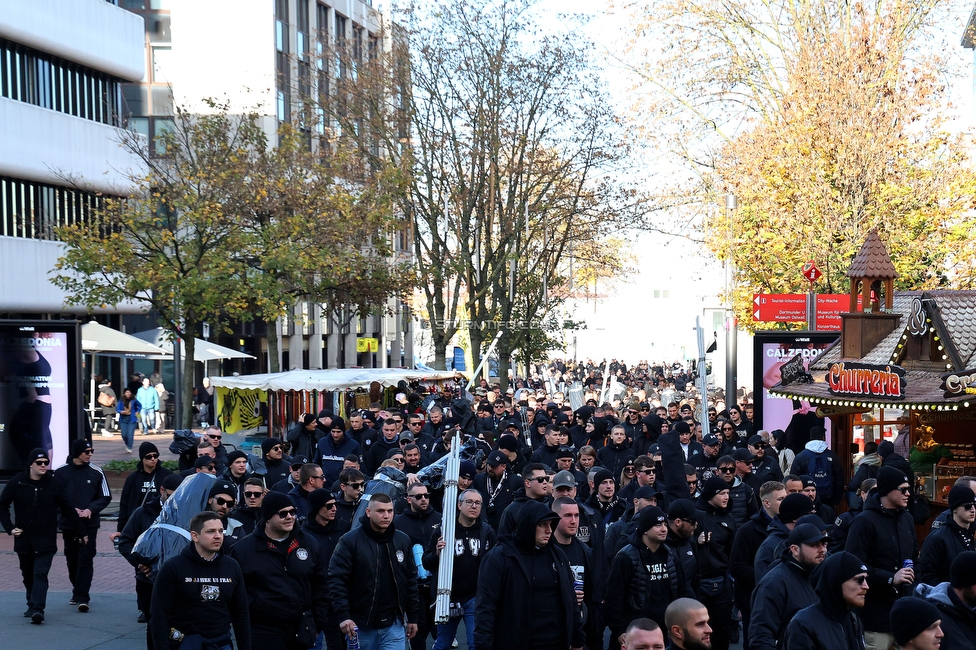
128	429
148	419
447	631
387	638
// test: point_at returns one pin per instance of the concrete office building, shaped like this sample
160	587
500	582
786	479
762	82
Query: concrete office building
62	64
263	55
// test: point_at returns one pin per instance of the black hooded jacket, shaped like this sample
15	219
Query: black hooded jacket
505	603
37	505
643	440
139	522
719	526
958	620
883	539
939	550
748	538
782	592
86	486
615	456
137	486
830	624
507	525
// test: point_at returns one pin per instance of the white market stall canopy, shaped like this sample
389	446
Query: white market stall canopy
108	342
203	351
328	380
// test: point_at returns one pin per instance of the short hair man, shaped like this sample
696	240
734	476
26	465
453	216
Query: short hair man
201	591
535	487
354	577
643	634
686	620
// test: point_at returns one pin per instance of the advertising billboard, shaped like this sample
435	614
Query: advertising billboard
40	390
771	351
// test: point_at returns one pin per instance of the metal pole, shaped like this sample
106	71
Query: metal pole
603	388
491	348
178	380
445	564
731	325
702	378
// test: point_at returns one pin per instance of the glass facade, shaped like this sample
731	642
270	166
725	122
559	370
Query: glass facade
33	210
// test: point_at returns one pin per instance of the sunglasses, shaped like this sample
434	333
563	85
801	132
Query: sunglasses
416	424
968	506
330	505
221	501
214	437
276	448
42	463
728	429
288	512
759	445
905	490
89	451
317	478
355	486
420	496
540	479
629	469
726	470
692	482
860	580
252	495
647	472
150	456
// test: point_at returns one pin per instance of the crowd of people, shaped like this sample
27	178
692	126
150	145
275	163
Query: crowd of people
621	526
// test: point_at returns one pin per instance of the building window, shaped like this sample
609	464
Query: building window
34	210
282	64
38	78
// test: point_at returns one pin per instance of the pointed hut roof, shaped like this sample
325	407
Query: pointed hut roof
872	261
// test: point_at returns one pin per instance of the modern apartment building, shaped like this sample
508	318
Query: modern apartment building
268	56
62	66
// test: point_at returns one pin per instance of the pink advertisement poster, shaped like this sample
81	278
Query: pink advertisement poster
34	394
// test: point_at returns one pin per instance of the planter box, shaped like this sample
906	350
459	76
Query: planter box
116	480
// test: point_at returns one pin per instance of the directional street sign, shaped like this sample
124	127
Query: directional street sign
811	272
779	307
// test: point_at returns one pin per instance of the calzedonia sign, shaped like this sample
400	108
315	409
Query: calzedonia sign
863	380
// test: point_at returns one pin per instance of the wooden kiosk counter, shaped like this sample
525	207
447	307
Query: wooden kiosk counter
904	364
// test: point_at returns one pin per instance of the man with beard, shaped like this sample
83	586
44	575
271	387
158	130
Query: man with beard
791	508
748	538
580	561
473	538
715	547
373	580
764	468
138	523
89	494
883	537
831	623
786	589
326	529
604	500
706	462
646	576
535	487
421	523
525	590
956	601
200	593
682	522
284	577
687	620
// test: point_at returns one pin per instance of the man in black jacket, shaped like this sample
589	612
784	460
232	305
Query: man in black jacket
786	589
473	538
138	523
535	482
141	483
284	577
715	548
525	590
421	523
89	494
883	537
497	486
373	580
946	542
200	594
748	538
646	575
832	624
956	601
37	497
327	529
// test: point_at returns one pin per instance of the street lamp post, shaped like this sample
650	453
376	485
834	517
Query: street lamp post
731	324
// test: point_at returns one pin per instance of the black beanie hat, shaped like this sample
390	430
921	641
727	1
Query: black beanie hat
36	453
713	486
508	443
960	494
273	502
910	617
267	444
681	427
224	487
886	448
601	475
77	448
172	481
794	506
317	499
649	517
889	479
147	448
234	455
962	573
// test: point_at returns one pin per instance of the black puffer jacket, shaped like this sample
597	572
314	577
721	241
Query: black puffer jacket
939	550
505	587
615	456
784	591
719	527
354	570
829	624
883	539
281	584
742	501
138	485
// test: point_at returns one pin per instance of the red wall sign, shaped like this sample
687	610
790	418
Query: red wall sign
863	380
779	307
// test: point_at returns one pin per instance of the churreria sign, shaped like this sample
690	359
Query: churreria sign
958	383
864	380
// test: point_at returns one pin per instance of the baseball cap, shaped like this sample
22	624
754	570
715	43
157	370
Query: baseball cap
298	461
496	458
710	440
564	479
743	455
805	534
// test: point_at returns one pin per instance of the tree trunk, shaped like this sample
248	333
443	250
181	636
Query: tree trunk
189	378
272	329
440	357
504	350
477	341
